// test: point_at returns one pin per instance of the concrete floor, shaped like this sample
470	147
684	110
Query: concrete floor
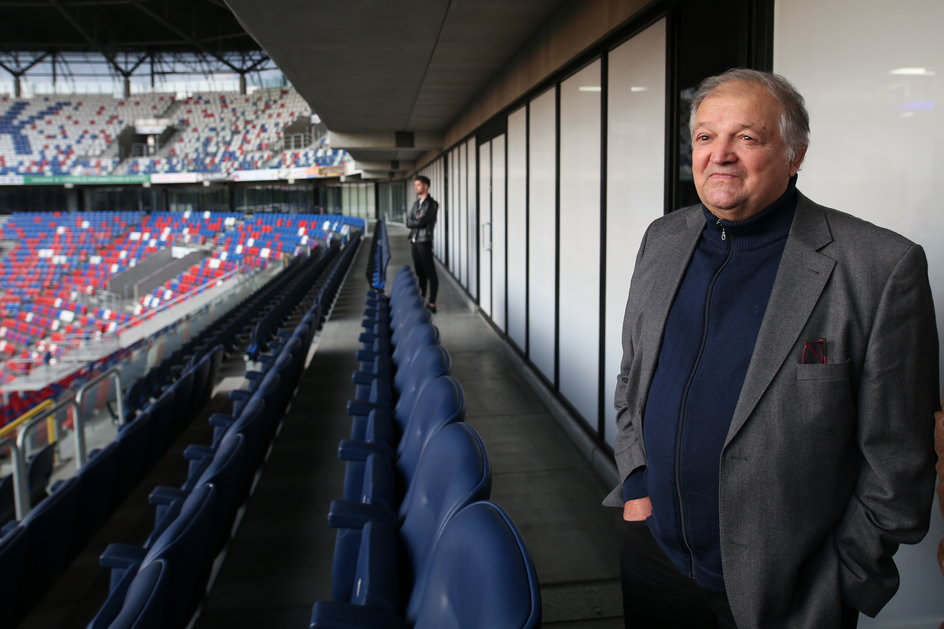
279	562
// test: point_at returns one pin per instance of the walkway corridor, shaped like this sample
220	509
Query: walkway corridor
279	562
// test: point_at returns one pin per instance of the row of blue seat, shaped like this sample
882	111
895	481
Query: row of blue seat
418	542
379	256
161	582
34	551
229	332
274	313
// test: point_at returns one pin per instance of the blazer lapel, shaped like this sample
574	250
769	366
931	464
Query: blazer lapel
674	254
800	280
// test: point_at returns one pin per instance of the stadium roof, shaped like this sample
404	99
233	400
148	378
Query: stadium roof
389	77
121	25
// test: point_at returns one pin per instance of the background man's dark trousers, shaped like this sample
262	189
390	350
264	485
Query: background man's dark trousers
425	268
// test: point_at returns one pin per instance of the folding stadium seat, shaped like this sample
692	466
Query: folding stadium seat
225	470
452	472
182	546
409	333
48	545
145	599
161	427
13	562
479	576
39	471
255	420
375	473
7	504
389	420
133	438
391	369
98	481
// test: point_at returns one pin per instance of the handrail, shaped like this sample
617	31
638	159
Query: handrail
25	417
21	490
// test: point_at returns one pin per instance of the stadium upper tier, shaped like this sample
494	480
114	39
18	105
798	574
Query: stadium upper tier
55	280
63	134
213	133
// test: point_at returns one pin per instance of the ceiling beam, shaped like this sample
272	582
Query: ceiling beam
195	42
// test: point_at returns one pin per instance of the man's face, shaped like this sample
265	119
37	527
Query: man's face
420	188
739	160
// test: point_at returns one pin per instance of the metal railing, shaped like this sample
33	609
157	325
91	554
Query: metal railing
21	488
47	415
10	428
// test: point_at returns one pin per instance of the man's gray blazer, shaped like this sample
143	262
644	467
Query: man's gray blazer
826	468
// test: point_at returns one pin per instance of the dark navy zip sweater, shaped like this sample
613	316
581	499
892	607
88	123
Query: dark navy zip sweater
706	348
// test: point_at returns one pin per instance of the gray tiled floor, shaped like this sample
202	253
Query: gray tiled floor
279	562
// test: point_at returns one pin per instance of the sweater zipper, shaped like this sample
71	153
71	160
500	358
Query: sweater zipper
682	406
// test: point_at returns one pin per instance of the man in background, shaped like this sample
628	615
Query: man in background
421	219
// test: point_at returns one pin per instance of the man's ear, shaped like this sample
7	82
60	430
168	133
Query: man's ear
797	160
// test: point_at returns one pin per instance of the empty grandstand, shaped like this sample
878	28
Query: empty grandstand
90	418
79	134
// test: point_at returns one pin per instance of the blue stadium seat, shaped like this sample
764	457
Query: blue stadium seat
161	421
48	544
389	421
382	363
7	504
453	472
480	576
183	546
12	568
133	444
144	602
98	482
39	471
440	402
223	472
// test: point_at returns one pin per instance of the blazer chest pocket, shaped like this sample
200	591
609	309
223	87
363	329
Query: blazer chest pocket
824	396
829	371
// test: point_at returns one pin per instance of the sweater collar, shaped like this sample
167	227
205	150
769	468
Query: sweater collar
767	226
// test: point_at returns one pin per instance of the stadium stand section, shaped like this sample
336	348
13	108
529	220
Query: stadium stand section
216	132
321	156
161	583
68	134
61	263
35	548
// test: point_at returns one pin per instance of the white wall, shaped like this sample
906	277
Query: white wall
542	231
578	307
635	175
472	221
484	227
454	212
875	151
462	219
498	232
517	226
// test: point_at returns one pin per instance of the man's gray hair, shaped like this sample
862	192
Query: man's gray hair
794	120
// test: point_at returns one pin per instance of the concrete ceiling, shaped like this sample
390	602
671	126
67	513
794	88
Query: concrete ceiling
373	68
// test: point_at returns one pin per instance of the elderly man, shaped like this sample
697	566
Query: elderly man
777	389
